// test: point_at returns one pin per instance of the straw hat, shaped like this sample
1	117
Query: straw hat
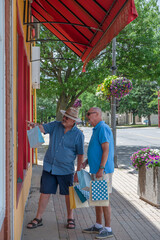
71	113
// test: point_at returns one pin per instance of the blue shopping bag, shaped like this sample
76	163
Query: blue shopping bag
99	195
82	194
84	179
35	137
99	189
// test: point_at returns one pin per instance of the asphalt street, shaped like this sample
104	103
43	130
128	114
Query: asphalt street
128	141
146	137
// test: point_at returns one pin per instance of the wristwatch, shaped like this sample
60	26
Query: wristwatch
101	167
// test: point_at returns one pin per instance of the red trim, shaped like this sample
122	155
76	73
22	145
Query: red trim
28	108
20	107
25	100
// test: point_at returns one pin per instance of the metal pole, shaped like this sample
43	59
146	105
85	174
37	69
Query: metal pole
113	102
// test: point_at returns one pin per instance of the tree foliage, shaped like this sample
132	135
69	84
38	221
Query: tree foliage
46	109
137	57
90	100
138	101
61	72
138	52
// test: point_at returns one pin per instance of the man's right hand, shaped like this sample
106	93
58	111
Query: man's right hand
31	124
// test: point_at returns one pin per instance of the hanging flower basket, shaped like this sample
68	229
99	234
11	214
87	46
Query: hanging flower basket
113	86
120	87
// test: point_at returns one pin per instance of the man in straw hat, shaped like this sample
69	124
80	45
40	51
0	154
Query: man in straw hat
66	142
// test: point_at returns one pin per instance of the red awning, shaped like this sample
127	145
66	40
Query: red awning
85	26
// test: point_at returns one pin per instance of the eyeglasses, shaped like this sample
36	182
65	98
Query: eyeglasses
89	113
66	117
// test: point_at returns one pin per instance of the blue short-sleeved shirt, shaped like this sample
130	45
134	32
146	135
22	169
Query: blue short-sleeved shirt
63	148
101	134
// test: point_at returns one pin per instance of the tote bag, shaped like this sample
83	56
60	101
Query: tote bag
84	179
82	194
75	202
35	137
99	195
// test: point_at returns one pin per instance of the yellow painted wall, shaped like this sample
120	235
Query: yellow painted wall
19	209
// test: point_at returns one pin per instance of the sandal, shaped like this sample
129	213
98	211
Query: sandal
71	222
35	225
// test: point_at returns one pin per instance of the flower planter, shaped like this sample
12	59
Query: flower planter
149	185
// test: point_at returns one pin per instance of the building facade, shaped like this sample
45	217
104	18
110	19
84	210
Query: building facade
16	103
127	119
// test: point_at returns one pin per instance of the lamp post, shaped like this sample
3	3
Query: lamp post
113	102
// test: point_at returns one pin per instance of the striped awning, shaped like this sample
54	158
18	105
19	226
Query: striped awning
85	26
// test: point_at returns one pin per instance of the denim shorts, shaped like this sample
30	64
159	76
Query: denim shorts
50	182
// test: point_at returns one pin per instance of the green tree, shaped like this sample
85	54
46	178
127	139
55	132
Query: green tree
46	109
138	57
90	100
138	51
138	101
62	75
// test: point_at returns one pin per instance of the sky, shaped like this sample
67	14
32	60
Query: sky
159	3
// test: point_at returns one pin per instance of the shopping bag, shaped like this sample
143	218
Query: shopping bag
82	194
84	179
75	202
71	198
35	137
99	195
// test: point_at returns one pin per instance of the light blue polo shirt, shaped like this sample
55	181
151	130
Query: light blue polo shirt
101	134
63	148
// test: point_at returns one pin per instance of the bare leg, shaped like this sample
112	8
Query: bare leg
69	211
107	215
98	215
43	201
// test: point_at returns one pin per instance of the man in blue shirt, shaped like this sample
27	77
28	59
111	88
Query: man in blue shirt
66	143
101	163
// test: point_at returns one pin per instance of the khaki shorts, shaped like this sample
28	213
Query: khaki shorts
107	177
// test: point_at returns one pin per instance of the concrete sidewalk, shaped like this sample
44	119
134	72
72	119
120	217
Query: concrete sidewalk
132	218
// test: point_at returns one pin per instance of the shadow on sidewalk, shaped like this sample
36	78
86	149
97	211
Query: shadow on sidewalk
124	153
128	223
131	219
